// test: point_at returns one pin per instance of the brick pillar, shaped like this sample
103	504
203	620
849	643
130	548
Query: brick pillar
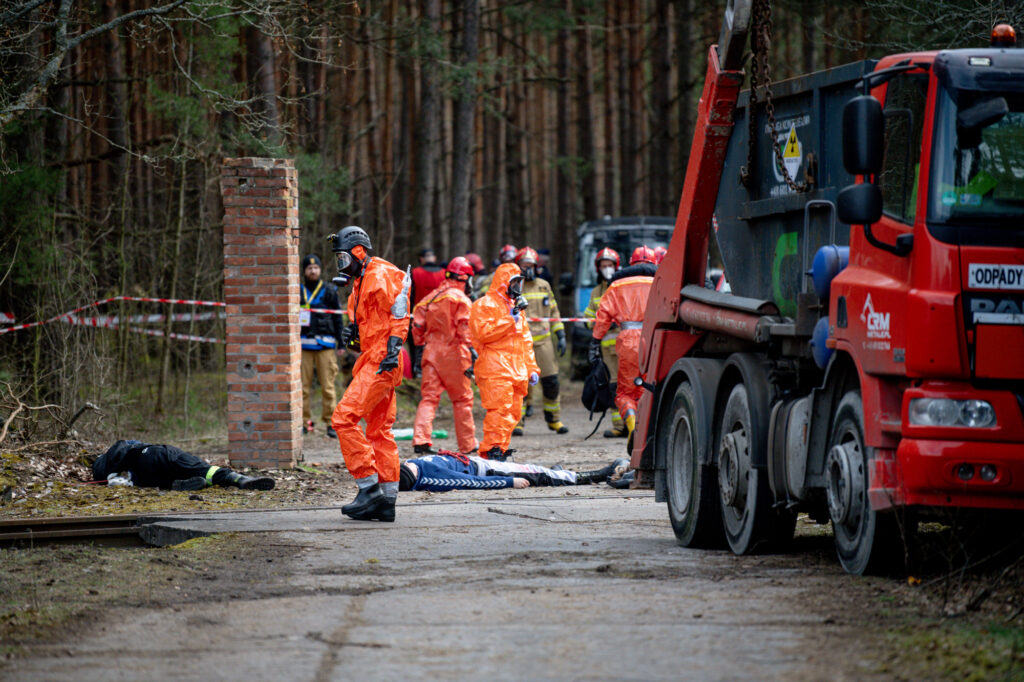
261	289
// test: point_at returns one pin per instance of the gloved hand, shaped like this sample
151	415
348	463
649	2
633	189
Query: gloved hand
417	361
521	303
390	360
350	336
534	378
473	355
594	351
560	337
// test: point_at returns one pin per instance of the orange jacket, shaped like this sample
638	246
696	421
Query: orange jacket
624	301
369	305
505	346
440	322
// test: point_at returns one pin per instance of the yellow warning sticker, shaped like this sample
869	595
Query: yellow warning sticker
793	153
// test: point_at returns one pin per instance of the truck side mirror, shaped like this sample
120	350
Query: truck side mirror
863	135
566	282
859	204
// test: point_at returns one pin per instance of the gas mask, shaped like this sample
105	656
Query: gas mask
529	273
515	288
607	272
348	267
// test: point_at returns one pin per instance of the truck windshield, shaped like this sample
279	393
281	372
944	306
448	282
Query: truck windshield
977	174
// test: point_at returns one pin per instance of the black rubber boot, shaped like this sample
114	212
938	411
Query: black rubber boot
194	483
367	498
377	508
424	449
494	453
598	475
248	482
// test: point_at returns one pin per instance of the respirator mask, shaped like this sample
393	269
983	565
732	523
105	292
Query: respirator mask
529	273
515	288
348	267
607	272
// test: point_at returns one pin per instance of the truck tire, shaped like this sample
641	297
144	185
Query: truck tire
745	496
692	499
866	541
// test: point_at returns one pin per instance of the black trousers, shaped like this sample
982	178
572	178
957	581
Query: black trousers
158	466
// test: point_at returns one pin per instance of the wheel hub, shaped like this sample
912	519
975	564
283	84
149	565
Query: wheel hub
730	456
842	480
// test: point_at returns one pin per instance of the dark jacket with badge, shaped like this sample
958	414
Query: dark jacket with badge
324	329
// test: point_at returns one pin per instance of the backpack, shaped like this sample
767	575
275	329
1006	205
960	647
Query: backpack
598	391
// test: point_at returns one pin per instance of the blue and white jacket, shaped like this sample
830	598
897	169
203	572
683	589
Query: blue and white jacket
441	473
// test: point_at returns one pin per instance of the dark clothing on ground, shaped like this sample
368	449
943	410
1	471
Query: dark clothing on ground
153	466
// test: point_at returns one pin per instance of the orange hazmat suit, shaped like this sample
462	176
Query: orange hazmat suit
371	396
440	323
505	360
624	304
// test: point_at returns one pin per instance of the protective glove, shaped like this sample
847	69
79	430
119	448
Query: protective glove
350	336
521	303
417	361
473	355
560	337
534	378
390	360
594	351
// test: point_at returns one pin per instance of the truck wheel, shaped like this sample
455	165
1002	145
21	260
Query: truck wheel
744	493
692	503
866	541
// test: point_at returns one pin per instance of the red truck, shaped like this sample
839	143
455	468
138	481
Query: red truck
867	367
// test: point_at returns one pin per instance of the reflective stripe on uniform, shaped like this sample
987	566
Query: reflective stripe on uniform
209	474
550	407
631	324
541	337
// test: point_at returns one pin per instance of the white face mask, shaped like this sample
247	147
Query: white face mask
607	272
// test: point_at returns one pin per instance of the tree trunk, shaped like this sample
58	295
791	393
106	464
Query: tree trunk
687	102
465	106
610	156
428	131
626	160
660	195
265	80
585	121
564	183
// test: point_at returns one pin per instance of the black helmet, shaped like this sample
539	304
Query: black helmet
350	237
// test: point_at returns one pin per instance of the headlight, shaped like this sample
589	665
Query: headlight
945	412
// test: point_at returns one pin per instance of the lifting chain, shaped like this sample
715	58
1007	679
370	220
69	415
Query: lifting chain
761	78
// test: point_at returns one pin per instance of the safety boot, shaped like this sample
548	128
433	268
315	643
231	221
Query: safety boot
381	509
598	475
366	500
630	422
558	427
518	430
330	432
248	482
494	453
616	432
529	410
424	449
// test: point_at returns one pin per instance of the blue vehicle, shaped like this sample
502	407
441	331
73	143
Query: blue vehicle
622	234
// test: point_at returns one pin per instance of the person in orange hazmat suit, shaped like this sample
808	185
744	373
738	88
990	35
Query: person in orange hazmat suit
379	309
440	335
506	367
623	304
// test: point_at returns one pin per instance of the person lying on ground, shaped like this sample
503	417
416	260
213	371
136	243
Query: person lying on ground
165	466
454	471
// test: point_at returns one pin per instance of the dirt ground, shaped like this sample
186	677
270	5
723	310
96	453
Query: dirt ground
601	592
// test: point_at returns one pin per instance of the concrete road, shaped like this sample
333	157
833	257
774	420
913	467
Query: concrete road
571	583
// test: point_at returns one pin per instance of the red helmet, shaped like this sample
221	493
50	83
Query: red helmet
642	254
476	261
659	254
526	256
606	254
459	269
507	253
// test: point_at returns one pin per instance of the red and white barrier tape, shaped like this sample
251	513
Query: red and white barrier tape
67	317
6	318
